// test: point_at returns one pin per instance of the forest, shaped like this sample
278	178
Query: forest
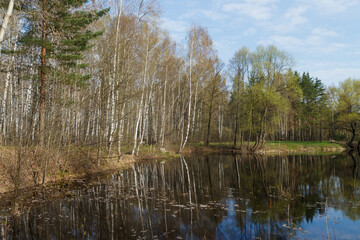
106	76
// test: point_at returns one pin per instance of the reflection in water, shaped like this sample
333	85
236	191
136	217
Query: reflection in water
206	197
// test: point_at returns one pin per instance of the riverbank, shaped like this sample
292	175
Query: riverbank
23	168
271	148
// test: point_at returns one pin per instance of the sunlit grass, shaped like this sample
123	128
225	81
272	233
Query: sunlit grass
301	146
298	144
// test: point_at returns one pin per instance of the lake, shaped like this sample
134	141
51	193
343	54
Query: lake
205	197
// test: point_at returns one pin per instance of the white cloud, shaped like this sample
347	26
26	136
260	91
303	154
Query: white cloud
291	19
215	16
176	28
324	32
256	9
174	25
310	44
249	32
330	72
219	3
334	76
209	14
355	51
286	42
294	15
331	6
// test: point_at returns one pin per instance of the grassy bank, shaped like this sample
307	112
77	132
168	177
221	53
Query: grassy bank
272	147
22	168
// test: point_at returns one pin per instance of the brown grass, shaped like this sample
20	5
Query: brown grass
21	168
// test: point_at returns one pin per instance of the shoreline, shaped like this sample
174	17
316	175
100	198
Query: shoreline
62	166
79	162
59	187
271	148
58	182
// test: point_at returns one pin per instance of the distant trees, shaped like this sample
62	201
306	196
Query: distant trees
78	74
259	83
311	108
270	101
347	102
214	94
239	69
266	86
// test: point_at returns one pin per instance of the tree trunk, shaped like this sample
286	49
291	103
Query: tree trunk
3	104
163	122
208	127
182	146
114	76
43	77
250	130
140	112
261	137
5	22
220	123
236	127
120	130
353	131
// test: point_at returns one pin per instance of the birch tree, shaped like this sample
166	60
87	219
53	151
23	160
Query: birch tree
199	53
239	69
6	21
215	91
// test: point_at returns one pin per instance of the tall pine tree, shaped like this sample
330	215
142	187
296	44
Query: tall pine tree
59	30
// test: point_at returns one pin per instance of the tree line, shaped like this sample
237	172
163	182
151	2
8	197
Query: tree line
79	72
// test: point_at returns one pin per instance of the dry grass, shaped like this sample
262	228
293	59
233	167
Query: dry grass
21	168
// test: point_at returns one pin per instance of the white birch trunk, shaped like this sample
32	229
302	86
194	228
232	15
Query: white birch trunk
220	122
7	92
3	103
146	117
112	102
190	98
5	22
139	113
141	109
111	117
162	131
121	127
27	109
195	105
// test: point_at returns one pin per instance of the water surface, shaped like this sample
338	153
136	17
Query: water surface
206	197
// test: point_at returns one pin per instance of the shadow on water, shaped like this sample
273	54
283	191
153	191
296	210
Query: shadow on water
206	197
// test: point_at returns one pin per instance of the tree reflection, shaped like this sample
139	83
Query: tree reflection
215	197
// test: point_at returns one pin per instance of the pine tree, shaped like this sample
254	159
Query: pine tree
59	29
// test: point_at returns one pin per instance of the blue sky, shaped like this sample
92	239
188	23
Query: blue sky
323	36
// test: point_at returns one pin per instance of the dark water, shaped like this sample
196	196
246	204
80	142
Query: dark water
207	197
